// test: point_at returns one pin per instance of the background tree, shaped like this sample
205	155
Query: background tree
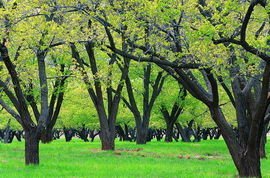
149	97
171	116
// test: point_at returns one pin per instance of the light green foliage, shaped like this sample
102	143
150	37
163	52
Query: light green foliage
125	116
29	20
225	22
4	119
77	108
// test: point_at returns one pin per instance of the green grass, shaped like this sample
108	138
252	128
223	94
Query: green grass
157	159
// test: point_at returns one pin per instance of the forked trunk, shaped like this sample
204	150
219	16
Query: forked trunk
31	147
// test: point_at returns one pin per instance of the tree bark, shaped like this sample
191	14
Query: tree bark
107	141
250	165
264	134
262	147
169	132
31	147
141	135
247	162
182	132
263	140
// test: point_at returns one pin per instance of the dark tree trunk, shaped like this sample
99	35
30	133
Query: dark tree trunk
170	118
247	162
83	133
69	133
120	132
107	130
169	132
262	146
92	134
249	166
18	135
107	142
182	132
141	137
264	136
31	147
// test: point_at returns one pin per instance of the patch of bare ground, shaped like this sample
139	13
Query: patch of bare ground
18	149
155	155
95	150
204	157
119	150
135	150
118	154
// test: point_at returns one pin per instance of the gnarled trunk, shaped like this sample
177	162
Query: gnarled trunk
31	147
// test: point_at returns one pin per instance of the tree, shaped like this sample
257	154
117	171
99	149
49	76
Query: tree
107	116
171	117
149	97
19	68
252	124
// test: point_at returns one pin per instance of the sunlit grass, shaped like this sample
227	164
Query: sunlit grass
155	159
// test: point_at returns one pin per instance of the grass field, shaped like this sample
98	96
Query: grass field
155	159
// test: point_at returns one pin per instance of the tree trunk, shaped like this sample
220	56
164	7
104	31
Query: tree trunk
264	139
141	135
249	166
262	146
183	133
169	132
107	142
31	147
247	162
